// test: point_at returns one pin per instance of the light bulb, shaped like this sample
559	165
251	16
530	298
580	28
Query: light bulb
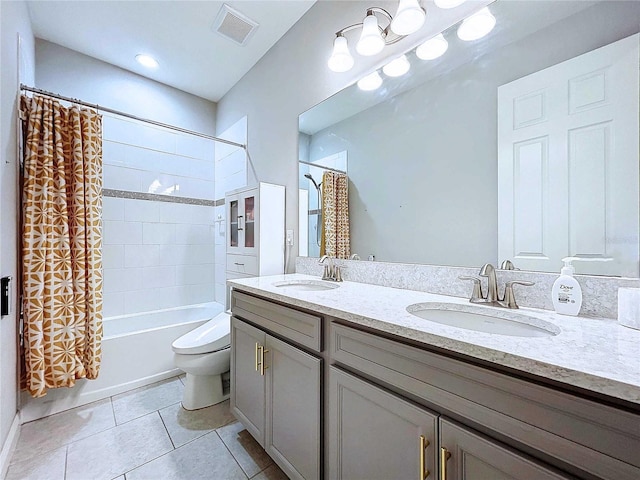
370	82
371	42
341	59
409	18
432	48
397	67
448	3
477	25
146	61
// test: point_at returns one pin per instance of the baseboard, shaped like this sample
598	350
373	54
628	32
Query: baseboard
33	409
9	445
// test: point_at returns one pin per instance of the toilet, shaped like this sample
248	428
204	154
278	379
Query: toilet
204	354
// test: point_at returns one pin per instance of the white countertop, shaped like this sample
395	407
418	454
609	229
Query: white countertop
595	354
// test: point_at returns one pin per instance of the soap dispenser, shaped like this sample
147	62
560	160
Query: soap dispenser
566	292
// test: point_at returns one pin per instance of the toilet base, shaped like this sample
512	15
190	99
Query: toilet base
202	391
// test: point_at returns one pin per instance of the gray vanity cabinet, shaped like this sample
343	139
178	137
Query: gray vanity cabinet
377	435
247	384
275	385
468	455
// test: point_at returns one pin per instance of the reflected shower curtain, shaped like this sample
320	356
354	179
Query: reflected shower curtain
61	244
335	215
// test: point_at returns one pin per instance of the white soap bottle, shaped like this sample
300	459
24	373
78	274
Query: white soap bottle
566	292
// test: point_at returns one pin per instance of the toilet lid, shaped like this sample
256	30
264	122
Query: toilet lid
207	338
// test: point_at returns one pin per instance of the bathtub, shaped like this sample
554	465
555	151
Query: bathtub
136	351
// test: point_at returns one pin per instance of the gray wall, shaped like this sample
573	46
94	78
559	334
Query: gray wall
73	74
293	76
423	165
14	21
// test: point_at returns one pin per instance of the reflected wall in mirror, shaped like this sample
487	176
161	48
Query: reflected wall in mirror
522	145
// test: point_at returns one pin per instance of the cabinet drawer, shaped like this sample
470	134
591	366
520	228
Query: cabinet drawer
581	433
242	264
299	327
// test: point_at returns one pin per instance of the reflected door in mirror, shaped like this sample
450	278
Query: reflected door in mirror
568	164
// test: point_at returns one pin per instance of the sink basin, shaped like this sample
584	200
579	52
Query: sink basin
468	317
306	285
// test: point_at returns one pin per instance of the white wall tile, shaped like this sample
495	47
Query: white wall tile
191	234
220	293
194	274
185	213
113	304
156	277
158	233
196	147
141	211
221	253
141	255
113	256
142	300
200	293
220	269
121	178
121	233
122	279
112	208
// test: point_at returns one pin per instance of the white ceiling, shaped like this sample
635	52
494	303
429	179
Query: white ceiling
178	34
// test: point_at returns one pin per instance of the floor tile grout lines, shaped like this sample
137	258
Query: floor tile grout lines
233	456
166	429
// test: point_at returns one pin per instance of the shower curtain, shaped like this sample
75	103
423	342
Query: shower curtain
61	244
335	215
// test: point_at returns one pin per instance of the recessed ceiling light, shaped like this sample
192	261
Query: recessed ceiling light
147	61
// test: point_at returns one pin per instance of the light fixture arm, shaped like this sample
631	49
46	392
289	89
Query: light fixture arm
386	33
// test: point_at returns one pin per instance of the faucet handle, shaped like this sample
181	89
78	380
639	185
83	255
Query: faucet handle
337	272
476	295
509	297
507	265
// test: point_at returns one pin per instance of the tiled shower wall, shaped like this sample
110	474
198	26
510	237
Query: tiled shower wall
157	254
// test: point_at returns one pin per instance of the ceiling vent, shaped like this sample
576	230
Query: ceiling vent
234	25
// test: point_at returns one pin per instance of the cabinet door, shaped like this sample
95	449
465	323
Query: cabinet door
377	435
247	383
470	456
293	409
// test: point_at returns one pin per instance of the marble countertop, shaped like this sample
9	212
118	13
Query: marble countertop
594	354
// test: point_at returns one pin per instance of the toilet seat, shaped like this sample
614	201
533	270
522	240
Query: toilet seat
209	337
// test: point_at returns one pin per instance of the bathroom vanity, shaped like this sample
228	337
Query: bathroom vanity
343	382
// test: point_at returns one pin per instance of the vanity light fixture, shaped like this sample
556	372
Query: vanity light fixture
477	25
370	82
448	3
147	61
397	67
374	36
432	48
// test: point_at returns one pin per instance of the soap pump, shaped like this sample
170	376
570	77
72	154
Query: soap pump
566	292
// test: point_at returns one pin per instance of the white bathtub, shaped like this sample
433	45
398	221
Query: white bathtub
136	351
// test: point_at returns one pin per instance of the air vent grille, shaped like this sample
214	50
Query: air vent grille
234	25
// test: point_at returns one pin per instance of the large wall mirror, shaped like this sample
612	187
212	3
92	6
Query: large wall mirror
522	145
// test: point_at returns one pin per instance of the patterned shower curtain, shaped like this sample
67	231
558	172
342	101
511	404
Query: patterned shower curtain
61	244
335	215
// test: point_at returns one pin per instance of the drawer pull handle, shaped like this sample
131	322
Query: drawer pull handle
444	456
424	443
236	263
263	367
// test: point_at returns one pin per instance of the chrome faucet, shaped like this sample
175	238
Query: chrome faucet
332	272
492	297
489	271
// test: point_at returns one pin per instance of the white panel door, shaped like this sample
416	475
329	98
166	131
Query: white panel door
568	164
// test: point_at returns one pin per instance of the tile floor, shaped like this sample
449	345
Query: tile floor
143	434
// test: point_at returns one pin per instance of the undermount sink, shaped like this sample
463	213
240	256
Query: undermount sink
306	285
468	317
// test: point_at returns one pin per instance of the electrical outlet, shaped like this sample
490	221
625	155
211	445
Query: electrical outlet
290	237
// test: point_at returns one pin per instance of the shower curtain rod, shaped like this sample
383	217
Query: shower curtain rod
320	166
128	115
